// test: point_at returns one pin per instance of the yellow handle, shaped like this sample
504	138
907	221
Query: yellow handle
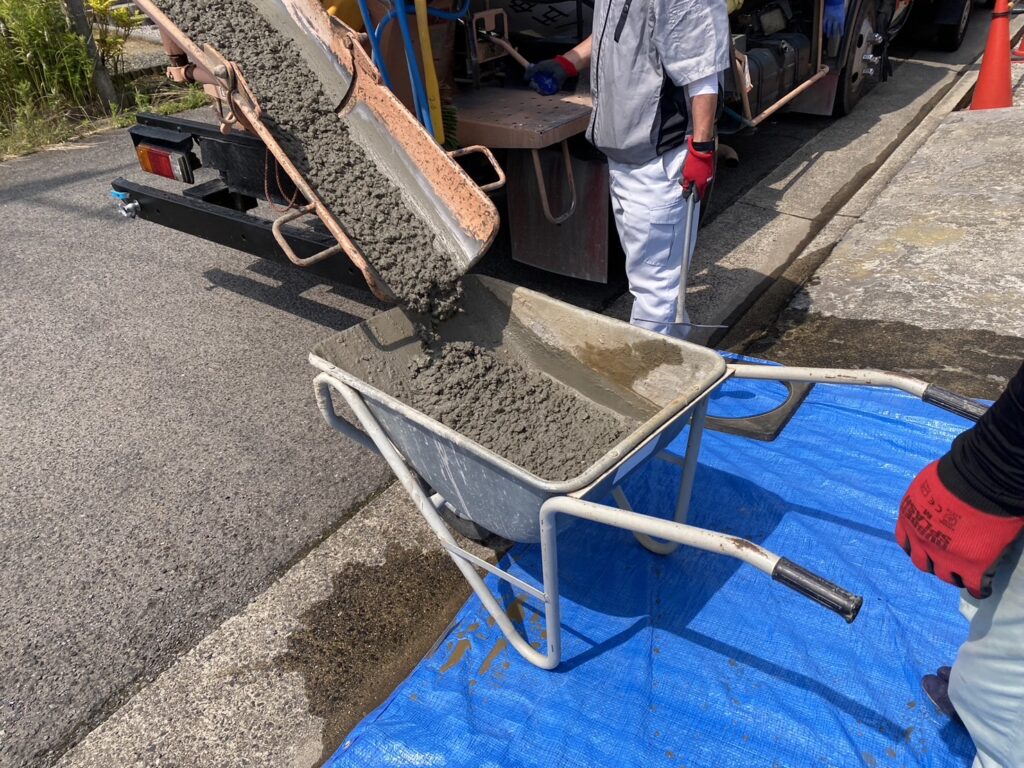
429	73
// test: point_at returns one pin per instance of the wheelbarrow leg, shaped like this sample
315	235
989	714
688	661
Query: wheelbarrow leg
689	466
465	561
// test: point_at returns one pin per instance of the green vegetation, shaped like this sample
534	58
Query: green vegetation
111	28
47	94
45	73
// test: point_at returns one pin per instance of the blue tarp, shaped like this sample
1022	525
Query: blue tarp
694	659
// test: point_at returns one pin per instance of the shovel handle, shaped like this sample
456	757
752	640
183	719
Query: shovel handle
821	591
692	198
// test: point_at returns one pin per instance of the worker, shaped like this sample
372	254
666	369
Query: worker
655	75
962	520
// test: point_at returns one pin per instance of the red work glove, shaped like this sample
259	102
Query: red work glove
698	169
950	538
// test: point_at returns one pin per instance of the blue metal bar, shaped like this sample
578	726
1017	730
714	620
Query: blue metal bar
451	15
419	93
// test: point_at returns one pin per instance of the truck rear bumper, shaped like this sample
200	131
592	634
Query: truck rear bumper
241	231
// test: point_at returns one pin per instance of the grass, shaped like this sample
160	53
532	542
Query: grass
33	130
46	85
157	95
45	74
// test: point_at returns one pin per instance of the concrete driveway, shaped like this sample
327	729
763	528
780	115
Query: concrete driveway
161	457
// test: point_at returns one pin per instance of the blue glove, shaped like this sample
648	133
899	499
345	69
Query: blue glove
835	18
547	77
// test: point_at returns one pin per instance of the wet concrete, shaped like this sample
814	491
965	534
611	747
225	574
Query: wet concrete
518	413
414	264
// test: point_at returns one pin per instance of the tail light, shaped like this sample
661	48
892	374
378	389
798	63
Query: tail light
165	162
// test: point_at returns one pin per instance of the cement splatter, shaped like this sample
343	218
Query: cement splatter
460	650
485	667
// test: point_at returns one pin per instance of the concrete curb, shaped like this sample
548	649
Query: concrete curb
281	683
762	312
927	280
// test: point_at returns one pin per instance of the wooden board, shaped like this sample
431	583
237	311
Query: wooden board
519	118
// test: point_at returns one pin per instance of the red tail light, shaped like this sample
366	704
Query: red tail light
163	162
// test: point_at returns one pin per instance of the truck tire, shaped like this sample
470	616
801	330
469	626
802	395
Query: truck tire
853	82
948	37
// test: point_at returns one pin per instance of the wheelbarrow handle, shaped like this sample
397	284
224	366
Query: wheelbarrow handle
322	386
820	590
969	409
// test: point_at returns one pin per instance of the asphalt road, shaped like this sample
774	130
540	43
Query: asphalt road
162	460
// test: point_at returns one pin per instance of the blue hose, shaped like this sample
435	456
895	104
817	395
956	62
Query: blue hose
374	37
446	15
419	93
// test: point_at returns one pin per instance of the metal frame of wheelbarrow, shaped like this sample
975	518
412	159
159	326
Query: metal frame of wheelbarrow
658	535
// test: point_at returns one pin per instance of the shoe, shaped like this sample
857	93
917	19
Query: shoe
937	688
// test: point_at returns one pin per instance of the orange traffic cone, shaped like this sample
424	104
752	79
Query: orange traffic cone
993	90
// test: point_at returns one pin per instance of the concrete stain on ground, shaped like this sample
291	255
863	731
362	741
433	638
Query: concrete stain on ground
976	363
413	262
357	645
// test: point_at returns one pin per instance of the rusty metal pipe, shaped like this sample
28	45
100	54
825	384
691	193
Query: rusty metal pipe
824	70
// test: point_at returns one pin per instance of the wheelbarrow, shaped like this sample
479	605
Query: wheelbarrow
658	385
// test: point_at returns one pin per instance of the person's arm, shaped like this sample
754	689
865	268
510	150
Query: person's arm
703	108
692	40
699	166
579	56
963	512
548	76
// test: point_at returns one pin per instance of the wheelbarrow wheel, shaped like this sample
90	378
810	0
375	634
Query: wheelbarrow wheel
472	531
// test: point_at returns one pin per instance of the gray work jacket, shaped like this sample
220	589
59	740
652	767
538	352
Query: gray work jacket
644	54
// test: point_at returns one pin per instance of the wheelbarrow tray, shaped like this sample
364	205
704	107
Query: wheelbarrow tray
651	381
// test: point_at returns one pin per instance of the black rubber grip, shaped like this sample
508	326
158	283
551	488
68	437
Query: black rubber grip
821	591
970	409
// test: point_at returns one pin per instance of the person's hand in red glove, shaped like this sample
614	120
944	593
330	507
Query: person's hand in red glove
946	536
699	167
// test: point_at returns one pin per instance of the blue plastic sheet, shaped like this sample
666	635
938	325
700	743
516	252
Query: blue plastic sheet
695	659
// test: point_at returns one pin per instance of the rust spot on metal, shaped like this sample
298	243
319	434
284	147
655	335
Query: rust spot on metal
744	544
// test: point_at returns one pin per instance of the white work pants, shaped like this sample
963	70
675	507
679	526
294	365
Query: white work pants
987	682
650	214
